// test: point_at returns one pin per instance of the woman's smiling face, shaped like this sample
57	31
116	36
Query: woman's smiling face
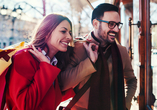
60	37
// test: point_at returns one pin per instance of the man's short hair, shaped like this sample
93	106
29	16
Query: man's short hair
98	12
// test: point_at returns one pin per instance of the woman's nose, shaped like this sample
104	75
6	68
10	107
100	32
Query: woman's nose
69	36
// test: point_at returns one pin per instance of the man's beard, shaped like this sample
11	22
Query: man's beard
103	36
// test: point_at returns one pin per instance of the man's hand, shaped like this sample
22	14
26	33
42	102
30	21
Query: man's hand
38	54
92	50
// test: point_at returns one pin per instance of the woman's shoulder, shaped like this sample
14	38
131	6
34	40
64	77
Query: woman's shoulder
23	55
23	62
22	51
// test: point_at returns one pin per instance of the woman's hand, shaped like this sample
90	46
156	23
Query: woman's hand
92	50
38	54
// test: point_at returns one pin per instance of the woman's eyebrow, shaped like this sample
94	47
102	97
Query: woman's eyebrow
66	29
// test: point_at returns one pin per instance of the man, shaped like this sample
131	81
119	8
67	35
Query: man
110	69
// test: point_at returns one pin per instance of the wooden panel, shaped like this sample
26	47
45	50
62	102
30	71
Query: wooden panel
145	56
126	1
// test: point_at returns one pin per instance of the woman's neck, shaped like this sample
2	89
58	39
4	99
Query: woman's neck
50	54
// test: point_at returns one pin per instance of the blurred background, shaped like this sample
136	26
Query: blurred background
18	18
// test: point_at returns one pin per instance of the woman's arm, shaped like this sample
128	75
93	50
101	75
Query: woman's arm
30	80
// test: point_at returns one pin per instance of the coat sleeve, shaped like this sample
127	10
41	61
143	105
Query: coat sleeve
30	81
68	94
129	77
80	67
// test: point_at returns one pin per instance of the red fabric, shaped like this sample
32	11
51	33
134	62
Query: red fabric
2	85
30	85
68	94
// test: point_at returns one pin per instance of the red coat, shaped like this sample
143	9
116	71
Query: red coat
32	85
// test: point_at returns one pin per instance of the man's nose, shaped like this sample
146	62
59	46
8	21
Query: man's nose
116	28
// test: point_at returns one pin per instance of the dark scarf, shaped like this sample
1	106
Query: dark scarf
100	94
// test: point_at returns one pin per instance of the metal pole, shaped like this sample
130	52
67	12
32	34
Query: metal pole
44	9
117	3
30	6
145	55
130	38
148	73
90	4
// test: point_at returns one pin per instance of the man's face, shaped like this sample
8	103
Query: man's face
106	34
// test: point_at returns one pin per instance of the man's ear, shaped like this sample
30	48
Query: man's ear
95	24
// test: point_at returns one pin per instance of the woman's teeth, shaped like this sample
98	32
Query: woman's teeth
65	43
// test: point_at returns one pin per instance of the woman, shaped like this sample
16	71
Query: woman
32	83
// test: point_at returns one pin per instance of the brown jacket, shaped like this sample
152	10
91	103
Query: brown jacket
80	70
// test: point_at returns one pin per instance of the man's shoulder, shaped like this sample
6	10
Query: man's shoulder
79	49
78	44
121	47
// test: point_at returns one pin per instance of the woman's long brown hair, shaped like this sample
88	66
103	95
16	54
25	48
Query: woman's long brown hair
43	32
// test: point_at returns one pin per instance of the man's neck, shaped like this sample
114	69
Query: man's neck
97	40
104	44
